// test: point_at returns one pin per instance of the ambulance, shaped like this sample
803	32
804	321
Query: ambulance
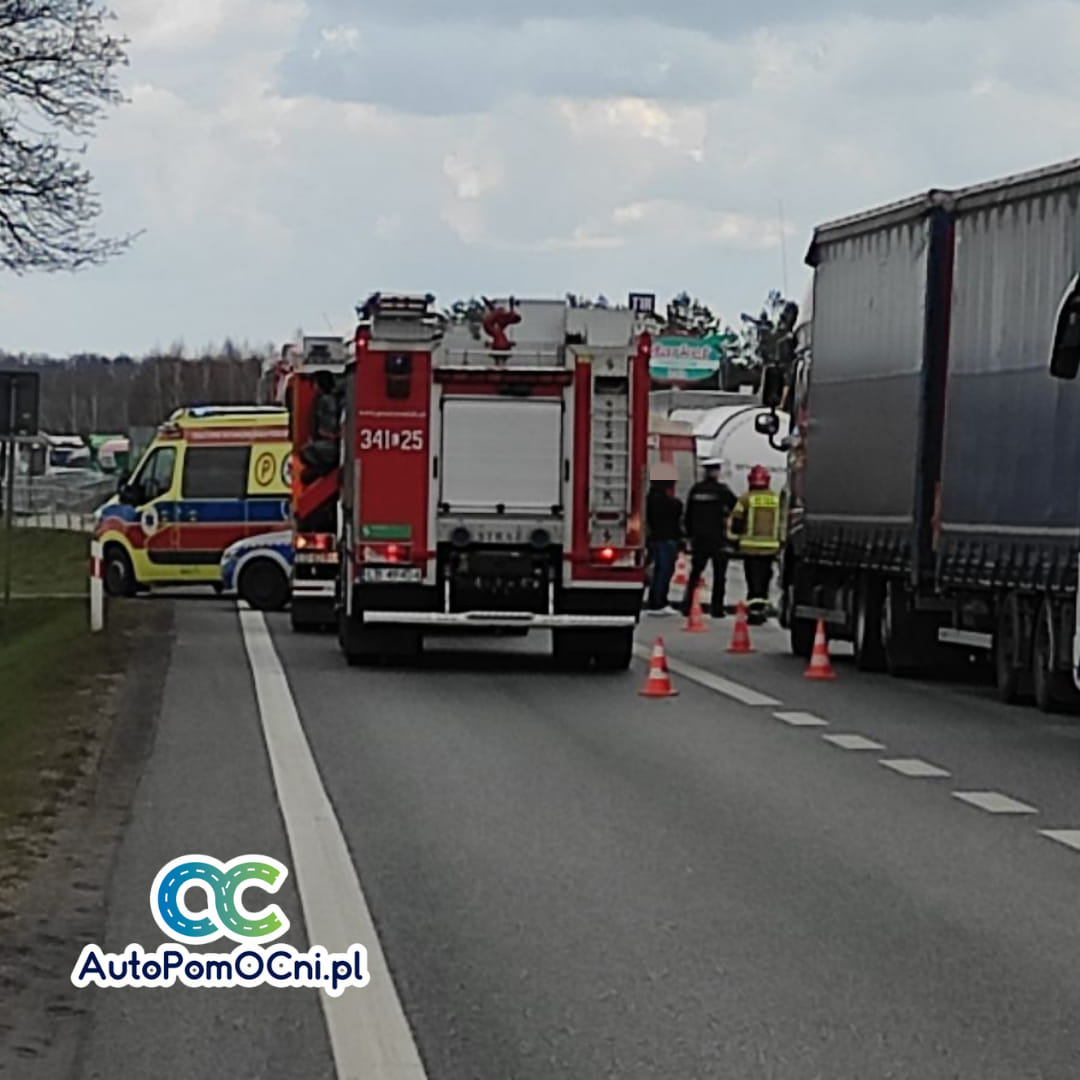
213	475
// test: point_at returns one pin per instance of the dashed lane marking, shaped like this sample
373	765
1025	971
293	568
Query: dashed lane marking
801	719
1068	837
915	768
710	681
853	742
993	802
369	1034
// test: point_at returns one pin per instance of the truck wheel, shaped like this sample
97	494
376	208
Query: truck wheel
570	649
614	649
1010	652
263	585
1053	689
869	654
118	573
897	632
800	631
356	641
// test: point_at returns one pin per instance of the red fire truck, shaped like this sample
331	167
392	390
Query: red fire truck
493	477
314	391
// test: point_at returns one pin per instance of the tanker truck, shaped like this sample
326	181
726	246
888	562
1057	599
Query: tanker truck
934	442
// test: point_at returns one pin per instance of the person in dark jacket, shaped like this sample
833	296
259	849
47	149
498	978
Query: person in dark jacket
708	507
320	454
663	532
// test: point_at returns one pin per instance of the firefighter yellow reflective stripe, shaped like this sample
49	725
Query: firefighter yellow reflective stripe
762	523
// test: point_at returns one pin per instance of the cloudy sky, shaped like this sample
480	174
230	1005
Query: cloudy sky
285	157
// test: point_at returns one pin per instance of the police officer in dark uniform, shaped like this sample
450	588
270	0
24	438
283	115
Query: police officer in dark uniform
708	507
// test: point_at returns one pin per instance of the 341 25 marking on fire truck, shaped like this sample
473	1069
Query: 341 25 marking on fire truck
412	439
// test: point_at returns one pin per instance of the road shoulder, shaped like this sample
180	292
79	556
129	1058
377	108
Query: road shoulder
63	902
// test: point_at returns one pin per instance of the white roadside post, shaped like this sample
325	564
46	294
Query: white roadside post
97	588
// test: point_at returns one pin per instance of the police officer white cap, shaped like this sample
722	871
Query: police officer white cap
712	463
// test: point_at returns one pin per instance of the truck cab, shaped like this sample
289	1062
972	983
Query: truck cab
494	477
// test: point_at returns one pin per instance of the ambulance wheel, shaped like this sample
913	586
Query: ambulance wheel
118	573
263	585
613	649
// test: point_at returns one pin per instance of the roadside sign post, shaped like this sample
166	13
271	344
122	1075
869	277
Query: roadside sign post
97	588
18	416
9	497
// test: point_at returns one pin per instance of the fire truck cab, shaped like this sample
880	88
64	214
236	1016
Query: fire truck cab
315	395
493	477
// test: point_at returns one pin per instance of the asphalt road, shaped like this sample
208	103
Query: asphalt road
568	880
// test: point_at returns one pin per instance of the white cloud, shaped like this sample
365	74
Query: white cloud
286	158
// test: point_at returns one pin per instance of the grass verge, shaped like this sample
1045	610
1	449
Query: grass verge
46	561
57	690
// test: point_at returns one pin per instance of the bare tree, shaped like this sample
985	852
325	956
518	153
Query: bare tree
57	77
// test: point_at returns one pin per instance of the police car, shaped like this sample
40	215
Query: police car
259	569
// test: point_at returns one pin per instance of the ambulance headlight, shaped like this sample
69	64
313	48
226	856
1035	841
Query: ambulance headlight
460	537
540	538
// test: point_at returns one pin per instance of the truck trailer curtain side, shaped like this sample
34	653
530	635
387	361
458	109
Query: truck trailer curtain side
939	494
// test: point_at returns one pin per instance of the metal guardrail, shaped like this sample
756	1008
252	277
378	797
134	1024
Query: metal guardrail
67	492
56	519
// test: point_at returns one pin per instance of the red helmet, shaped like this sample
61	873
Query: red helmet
759	478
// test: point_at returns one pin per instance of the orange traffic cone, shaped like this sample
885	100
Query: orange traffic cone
682	574
820	666
695	621
740	639
658	683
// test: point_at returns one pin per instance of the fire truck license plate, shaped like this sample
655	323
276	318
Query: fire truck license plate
382	574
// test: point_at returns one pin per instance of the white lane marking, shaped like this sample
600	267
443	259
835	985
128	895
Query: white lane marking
369	1035
915	768
710	681
993	802
243	605
853	742
1068	837
801	719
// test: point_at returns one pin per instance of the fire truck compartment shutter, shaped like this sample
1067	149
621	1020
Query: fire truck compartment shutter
499	452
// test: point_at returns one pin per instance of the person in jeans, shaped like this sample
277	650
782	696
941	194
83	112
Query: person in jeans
663	531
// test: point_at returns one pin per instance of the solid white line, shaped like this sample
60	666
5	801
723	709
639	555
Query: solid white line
801	719
1068	837
915	768
712	682
853	742
993	802
369	1035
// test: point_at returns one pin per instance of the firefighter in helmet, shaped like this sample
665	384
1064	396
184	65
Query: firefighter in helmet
756	527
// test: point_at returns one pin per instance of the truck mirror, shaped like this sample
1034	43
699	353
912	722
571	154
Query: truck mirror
772	386
767	424
1065	353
